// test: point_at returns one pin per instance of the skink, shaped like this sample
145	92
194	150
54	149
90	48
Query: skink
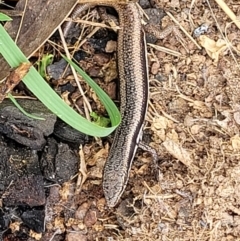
133	74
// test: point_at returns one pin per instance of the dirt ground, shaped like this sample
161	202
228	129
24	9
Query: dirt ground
193	123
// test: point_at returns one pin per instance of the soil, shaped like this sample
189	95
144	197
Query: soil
193	123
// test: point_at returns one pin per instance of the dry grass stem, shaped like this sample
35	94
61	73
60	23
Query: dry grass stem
180	26
89	108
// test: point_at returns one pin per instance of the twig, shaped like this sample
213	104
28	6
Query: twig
76	77
182	28
20	26
228	11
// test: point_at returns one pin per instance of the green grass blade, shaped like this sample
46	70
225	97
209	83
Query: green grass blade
22	110
4	17
50	99
108	103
